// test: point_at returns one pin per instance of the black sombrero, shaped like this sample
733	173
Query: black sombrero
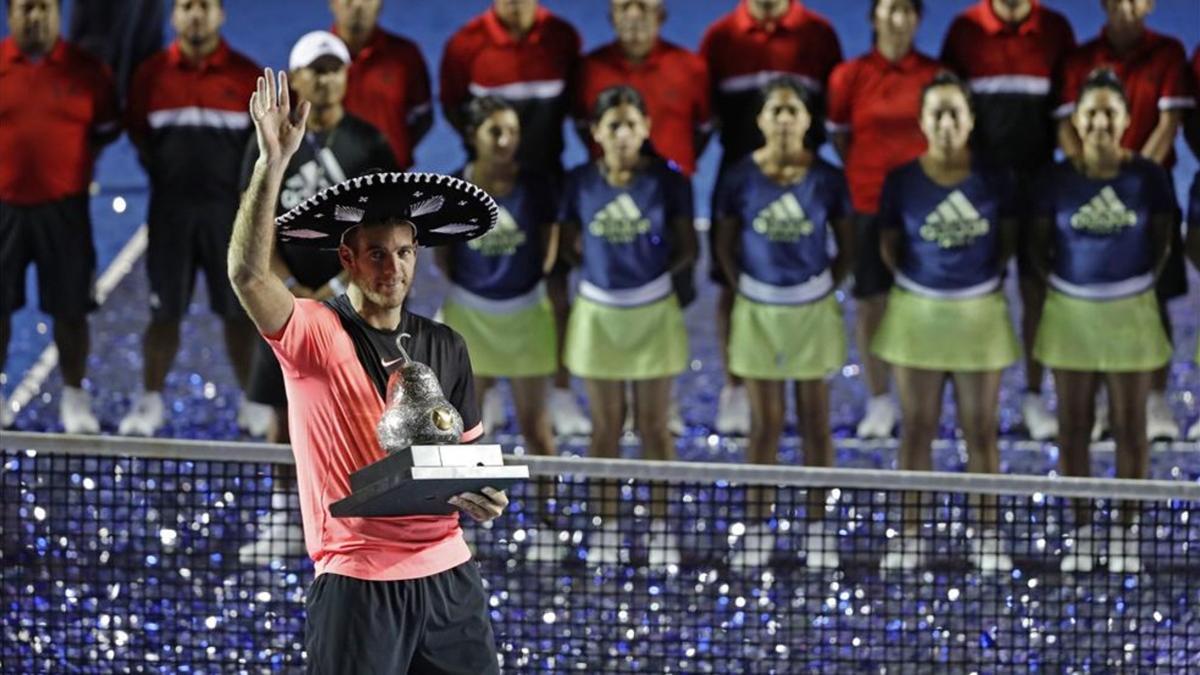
444	209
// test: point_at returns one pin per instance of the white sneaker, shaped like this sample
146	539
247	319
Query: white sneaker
758	542
495	416
1039	422
733	411
1101	424
663	545
1160	422
6	413
75	411
1194	433
566	415
280	535
987	553
1123	554
604	546
821	547
1080	550
906	551
546	545
880	420
255	419
145	417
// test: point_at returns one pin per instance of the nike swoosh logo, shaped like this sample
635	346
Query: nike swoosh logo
389	364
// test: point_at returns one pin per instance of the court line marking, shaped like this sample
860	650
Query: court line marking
118	269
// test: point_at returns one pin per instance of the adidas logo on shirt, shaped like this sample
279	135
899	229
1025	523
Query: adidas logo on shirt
620	221
1103	214
783	220
954	222
504	239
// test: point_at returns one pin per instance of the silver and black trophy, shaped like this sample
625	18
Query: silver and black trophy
424	466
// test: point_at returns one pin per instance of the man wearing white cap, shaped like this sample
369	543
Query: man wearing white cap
336	146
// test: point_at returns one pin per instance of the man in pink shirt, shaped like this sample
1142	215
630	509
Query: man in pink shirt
391	595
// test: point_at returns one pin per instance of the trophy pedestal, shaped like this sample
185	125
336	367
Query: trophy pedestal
417	481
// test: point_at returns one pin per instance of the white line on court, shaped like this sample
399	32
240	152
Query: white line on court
117	270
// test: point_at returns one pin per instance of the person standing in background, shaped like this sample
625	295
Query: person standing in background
674	84
626	220
946	232
747	48
874	119
58	108
1010	52
1153	70
187	117
526	55
780	212
1101	238
388	82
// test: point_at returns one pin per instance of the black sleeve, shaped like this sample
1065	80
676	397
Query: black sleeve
461	392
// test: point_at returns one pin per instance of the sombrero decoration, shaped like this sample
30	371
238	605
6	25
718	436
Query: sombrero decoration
444	209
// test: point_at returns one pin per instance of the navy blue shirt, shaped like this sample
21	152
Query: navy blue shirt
949	236
1102	227
627	231
785	236
507	261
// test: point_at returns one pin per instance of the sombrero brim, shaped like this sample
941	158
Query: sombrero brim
444	209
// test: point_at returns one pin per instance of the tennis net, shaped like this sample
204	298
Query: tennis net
120	554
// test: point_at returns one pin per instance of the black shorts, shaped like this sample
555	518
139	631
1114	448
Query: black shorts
436	624
266	378
57	238
184	239
871	276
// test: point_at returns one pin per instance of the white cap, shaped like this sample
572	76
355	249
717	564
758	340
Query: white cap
313	46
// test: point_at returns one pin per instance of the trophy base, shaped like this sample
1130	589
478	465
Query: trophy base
423	491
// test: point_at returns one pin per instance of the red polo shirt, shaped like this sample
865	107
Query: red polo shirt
532	73
743	55
388	86
1155	75
191	121
674	83
878	103
1012	74
54	112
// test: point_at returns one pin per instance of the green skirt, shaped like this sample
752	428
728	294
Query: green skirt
786	342
626	343
950	335
1123	335
512	344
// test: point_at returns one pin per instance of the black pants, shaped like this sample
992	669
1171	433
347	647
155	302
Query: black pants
436	624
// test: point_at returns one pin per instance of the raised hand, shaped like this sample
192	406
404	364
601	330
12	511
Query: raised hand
278	127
